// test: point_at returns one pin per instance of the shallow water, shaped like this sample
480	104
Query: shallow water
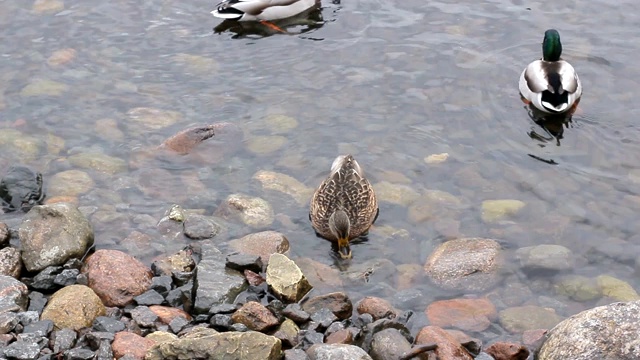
391	82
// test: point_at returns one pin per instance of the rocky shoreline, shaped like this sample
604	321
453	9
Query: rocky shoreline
60	299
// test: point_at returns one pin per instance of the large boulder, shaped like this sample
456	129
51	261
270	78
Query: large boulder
604	332
52	234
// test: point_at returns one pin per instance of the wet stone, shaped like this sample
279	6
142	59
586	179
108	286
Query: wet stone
243	262
179	296
181	277
149	297
371	329
161	284
39	328
310	337
198	227
104	323
221	322
324	317
143	316
294	312
389	344
21	189
64	339
180	261
22	350
79	354
177	324
222	309
338	302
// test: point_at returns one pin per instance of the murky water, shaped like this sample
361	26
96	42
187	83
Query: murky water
391	82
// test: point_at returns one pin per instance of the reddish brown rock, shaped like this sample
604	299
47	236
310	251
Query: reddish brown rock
338	302
116	277
507	351
343	336
534	338
253	278
255	316
126	343
166	314
448	347
187	139
262	244
464	314
321	276
376	307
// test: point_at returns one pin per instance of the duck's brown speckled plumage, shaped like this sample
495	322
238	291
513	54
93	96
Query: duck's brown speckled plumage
346	188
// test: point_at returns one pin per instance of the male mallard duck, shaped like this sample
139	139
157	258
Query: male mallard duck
344	206
551	84
261	10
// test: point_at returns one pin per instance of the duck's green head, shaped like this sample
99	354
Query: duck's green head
551	46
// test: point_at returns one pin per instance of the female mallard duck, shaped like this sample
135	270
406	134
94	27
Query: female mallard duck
261	10
344	206
551	84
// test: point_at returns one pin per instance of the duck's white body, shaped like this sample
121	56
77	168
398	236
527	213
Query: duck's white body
261	10
536	86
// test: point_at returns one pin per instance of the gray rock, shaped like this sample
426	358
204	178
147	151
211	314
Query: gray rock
13	294
162	284
8	322
181	277
604	332
382	324
44	280
67	277
177	324
334	327
149	297
337	352
143	316
104	323
213	283
180	296
73	263
308	338
10	262
37	302
22	350
39	328
239	327
63	340
389	344
79	354
95	338
223	309
250	345
52	234
198	227
20	189
221	321
324	317
295	354
104	351
294	312
546	257
5	234
242	262
28	317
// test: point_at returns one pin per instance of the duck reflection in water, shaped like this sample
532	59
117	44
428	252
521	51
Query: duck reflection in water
552	125
310	19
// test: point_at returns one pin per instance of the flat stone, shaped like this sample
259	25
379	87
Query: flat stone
39	328
284	184
66	277
162	284
182	261
324	317
70	183
338	302
255	316
389	344
116	277
103	323
496	210
64	339
79	354
616	289
343	336
167	314
262	244
448	347
287	332
469	264
22	350
295	354
12	293
378	308
52	234
127	343
250	345
221	322
548	257
295	313
253	211
214	284
465	314
152	118
10	261
321	276
510	351
143	316
337	352
8	322
285	279
198	227
74	307
604	332
529	317
177	324
149	297
242	262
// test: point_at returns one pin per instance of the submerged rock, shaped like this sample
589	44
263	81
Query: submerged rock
529	317
448	347
250	345
547	257
286	279
263	244
464	314
496	210
469	264
253	211
116	277
53	234
285	184
74	307
604	332
21	189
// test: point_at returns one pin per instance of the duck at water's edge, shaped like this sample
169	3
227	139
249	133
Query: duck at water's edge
344	206
551	84
261	10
